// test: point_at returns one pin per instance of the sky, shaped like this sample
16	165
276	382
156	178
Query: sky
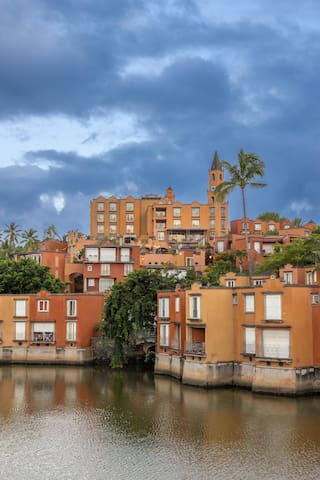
129	97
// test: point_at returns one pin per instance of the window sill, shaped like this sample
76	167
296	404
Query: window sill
286	361
272	320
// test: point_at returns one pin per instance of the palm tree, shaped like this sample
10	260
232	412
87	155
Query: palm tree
12	235
51	233
297	222
30	239
242	175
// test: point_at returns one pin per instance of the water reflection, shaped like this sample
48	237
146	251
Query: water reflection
95	423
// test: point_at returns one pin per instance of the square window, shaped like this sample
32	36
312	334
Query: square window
129	206
176	211
89	268
100	228
195	211
100	206
100	217
196	223
130	217
112	207
91	282
112	218
129	228
43	305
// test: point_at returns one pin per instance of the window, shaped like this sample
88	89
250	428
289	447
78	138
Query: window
249	340
177	336
223	212
113	229
245	225
223	224
176	222
91	282
125	255
20	331
235	299
212	223
100	206
196	223
105	269
164	335
177	304
89	268
257	227
161	236
164	307
271	227
127	268
257	247
0	329
220	246
195	211
43	332
176	211
105	284
189	261
287	278
71	331
112	207
230	283
112	218
314	298
43	305
100	217
309	279
194	305
129	207
100	228
21	308
212	211
249	303
273	306
258	283
107	255
129	217
160	225
71	308
129	228
92	254
275	343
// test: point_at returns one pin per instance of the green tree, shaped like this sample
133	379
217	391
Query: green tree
130	309
30	240
27	276
12	234
242	175
297	222
50	233
268	216
211	275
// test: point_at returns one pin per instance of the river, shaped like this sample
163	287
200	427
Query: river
68	423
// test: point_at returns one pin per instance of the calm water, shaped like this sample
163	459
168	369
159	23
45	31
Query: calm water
90	423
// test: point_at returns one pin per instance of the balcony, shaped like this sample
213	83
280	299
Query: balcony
195	349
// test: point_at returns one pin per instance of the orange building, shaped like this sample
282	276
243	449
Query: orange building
162	221
49	328
265	337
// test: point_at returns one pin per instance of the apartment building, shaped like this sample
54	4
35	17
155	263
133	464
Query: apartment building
49	328
265	337
162	221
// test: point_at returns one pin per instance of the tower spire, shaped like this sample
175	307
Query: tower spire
216	164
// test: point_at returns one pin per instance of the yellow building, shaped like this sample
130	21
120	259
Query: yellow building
162	221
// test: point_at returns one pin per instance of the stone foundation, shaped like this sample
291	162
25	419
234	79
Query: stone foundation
46	355
265	379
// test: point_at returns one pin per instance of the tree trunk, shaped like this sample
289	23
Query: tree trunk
246	236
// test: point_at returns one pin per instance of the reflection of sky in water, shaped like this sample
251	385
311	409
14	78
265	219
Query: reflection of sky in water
86	423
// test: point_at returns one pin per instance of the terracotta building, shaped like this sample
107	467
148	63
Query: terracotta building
49	328
162	221
265	337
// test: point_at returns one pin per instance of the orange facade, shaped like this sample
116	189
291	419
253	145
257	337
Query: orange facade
265	337
47	327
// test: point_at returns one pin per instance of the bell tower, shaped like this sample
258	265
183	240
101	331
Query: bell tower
218	211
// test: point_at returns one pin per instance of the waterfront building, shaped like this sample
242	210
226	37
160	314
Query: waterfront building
49	328
264	336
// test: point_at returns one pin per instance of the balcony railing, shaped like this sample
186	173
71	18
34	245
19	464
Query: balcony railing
195	348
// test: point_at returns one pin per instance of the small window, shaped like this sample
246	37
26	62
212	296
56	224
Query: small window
105	269
129	207
235	299
195	223
100	228
43	305
212	211
176	211
100	217
71	331
129	228
112	207
189	261
113	229
177	304
72	308
176	222
164	307
129	217
287	278
91	282
314	298
257	227
89	268
20	308
195	211
161	236
164	335
112	218
105	284
127	268
194	306
230	283
309	279
20	331
271	228
220	246
258	283
100	206
223	212
249	303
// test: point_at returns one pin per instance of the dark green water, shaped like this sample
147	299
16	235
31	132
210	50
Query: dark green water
90	423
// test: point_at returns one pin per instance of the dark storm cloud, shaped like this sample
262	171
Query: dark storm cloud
249	82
